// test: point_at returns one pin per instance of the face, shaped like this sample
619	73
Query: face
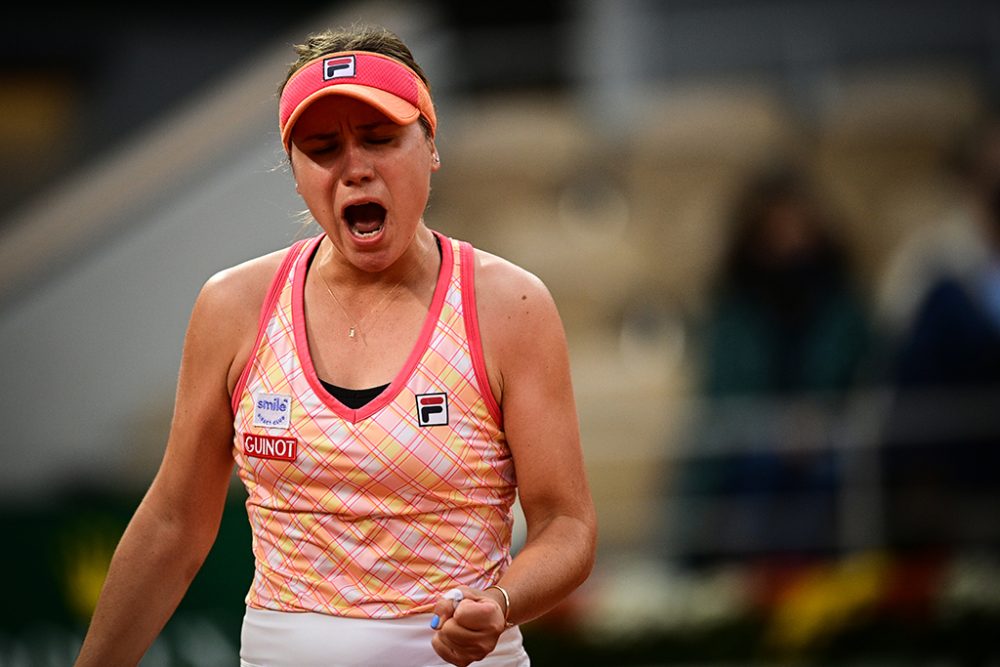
787	234
365	179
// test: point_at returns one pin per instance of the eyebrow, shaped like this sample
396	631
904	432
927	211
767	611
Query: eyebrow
374	125
323	136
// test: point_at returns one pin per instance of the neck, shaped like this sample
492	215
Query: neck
413	266
409	280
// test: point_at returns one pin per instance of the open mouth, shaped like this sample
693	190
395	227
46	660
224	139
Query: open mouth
365	220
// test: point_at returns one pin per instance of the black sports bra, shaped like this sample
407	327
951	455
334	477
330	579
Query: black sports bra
353	398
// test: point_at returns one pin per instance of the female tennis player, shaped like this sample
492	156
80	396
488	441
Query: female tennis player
385	393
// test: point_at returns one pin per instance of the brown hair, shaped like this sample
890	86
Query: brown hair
357	37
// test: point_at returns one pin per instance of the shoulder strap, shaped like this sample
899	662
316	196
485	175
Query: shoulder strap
267	307
471	316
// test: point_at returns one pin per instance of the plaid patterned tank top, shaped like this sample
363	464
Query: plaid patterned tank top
373	512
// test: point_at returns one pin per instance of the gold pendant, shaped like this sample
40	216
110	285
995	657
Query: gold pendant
351	332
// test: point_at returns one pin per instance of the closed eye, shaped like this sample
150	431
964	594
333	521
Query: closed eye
320	144
321	149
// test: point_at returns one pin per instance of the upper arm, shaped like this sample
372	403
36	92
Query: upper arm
194	474
528	360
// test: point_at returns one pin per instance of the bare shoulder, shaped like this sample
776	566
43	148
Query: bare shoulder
508	285
519	324
507	293
242	286
227	311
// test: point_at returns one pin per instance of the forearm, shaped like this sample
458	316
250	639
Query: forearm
151	570
554	561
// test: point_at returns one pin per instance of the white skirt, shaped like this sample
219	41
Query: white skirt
304	639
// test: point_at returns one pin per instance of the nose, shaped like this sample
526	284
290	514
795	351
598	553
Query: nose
357	164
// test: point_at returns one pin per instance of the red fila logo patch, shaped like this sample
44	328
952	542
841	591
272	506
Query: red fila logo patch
340	67
270	447
432	409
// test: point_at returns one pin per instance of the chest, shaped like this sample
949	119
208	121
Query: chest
367	345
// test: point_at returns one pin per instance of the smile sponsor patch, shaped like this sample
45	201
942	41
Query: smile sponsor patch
272	410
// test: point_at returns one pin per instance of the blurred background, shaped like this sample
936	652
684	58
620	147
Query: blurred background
771	228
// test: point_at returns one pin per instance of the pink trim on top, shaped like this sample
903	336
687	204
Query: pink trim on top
471	316
397	384
266	308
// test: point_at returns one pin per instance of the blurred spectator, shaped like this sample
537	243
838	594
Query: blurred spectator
941	462
784	339
951	244
785	317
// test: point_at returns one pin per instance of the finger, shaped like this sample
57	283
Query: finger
480	615
472	643
445	607
456	652
449	653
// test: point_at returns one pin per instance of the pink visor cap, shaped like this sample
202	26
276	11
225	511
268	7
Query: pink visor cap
383	82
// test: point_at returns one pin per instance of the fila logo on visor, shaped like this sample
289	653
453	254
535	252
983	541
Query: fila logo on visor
341	67
432	409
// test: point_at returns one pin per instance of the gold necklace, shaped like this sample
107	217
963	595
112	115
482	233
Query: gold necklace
354	329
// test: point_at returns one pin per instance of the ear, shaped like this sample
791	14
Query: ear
435	157
291	169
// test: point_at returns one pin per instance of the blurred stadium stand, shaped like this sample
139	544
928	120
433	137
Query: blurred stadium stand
597	144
